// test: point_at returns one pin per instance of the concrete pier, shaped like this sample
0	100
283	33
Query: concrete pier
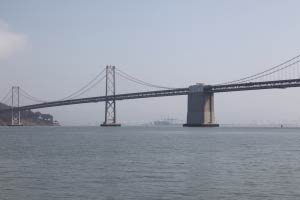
200	108
111	124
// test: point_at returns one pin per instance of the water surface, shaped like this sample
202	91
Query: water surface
38	163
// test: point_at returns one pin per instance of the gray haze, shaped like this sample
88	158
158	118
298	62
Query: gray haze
52	48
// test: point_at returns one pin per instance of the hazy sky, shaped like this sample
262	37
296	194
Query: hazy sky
52	48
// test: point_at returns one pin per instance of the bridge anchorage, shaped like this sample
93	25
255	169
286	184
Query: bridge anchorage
110	104
200	107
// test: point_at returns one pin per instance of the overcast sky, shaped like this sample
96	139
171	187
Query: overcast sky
52	48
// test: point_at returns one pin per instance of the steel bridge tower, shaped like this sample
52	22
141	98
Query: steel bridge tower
15	103
110	105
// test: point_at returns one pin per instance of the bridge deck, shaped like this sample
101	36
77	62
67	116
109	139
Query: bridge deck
280	84
118	97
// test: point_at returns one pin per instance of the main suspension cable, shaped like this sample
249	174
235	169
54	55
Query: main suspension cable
30	97
271	72
88	89
138	81
260	73
8	101
5	97
77	93
84	87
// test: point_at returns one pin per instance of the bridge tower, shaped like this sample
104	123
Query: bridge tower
200	107
110	105
15	103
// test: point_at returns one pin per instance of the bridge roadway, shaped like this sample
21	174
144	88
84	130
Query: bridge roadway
280	84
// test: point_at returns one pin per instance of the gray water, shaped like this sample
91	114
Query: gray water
38	163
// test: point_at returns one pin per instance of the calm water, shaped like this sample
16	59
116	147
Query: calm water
38	163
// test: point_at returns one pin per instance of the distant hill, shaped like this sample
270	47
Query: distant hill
28	118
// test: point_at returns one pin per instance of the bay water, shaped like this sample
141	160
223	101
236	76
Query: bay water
113	163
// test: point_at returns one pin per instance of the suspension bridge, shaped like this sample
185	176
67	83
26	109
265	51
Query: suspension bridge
200	108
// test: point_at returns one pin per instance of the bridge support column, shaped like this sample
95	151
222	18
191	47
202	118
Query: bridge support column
110	105
200	108
15	103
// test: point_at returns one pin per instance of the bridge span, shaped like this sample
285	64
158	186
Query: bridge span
200	108
200	98
280	84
